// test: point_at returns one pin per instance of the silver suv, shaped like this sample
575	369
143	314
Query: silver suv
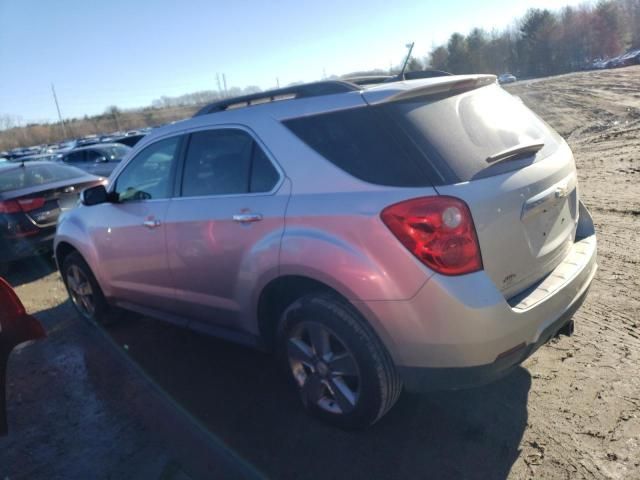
424	233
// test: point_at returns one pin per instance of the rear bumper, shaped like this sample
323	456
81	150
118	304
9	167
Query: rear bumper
16	248
461	331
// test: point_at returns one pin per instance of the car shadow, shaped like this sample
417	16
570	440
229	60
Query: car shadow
241	396
29	270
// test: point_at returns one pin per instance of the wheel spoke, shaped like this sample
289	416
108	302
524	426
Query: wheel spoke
319	339
76	274
313	388
343	364
300	351
342	394
84	289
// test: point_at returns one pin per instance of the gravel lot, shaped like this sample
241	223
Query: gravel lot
192	406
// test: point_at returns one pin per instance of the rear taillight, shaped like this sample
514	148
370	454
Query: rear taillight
21	205
439	231
28	204
10	206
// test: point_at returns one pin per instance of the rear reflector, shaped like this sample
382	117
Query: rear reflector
439	231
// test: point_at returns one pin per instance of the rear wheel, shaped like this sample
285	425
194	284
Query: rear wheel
84	291
342	371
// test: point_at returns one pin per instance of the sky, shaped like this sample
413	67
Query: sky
128	53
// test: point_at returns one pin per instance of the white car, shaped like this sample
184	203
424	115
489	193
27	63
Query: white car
507	78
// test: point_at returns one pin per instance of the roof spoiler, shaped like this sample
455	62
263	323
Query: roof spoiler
444	86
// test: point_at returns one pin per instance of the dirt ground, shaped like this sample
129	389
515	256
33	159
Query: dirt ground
572	410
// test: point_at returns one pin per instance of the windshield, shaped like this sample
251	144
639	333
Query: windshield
33	175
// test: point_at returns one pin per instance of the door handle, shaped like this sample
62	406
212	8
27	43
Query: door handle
247	217
152	223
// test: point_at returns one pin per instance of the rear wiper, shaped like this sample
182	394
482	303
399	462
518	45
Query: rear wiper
515	152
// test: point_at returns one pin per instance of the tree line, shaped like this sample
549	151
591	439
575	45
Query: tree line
545	42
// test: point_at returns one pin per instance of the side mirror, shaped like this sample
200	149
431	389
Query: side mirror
102	159
94	196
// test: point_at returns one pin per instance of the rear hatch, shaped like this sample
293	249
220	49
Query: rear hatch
515	173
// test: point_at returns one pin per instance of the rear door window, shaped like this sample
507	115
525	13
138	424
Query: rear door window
226	162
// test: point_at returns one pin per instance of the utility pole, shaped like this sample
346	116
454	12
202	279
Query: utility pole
55	99
224	80
219	85
406	61
278	82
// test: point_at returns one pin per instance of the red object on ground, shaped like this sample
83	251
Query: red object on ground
16	327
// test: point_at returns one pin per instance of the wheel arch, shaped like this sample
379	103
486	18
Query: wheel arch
282	291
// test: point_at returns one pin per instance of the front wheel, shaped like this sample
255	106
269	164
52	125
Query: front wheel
84	291
343	373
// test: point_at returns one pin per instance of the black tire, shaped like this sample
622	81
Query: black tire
378	384
102	314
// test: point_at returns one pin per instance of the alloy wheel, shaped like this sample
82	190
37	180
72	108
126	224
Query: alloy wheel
81	292
324	368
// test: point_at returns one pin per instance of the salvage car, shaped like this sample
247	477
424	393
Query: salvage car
424	234
32	196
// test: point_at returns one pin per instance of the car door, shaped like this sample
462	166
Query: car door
130	232
224	230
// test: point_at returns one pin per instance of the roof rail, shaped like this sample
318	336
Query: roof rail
369	79
416	74
377	79
305	90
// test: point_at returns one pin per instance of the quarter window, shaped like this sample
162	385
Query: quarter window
148	175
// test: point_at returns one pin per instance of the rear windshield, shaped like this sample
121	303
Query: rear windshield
427	141
33	175
457	134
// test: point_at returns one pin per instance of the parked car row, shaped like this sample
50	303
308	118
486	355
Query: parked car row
129	139
632	57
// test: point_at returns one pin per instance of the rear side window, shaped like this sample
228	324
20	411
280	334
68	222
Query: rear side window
226	162
364	143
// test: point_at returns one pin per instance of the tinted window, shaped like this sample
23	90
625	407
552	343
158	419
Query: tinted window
364	143
114	152
264	175
457	134
148	175
75	157
93	155
217	163
33	175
